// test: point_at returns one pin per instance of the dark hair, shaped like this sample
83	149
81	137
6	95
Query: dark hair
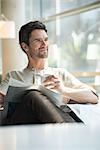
25	30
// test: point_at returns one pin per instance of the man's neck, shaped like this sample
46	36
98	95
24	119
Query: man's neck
37	65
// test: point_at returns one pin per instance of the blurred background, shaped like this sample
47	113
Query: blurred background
73	29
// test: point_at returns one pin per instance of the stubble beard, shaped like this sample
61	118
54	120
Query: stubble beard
40	54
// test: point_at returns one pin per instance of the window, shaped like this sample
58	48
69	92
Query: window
73	27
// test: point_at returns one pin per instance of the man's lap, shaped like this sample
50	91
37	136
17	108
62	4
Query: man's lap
23	112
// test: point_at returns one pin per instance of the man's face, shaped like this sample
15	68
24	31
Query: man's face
38	44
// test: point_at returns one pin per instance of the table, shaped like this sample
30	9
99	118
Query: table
66	136
88	113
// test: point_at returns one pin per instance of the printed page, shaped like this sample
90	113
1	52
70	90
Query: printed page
16	90
17	83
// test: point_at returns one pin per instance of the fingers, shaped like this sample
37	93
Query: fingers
49	78
51	82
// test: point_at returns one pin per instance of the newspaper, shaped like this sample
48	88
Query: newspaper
16	83
18	88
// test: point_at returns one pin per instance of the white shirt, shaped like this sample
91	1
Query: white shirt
28	77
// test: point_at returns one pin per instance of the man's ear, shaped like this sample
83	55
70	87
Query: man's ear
24	46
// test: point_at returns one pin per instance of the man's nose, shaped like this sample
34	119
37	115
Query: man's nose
44	42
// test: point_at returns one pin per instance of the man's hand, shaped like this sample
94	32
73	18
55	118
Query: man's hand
53	82
1	101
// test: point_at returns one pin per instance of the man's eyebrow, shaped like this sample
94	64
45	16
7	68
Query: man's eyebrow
39	38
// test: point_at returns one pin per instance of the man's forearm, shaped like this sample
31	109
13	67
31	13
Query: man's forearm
80	95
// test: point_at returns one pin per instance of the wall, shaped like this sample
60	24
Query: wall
0	48
12	56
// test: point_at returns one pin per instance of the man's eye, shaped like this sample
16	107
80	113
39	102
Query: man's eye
40	40
37	40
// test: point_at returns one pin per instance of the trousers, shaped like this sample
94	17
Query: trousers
36	108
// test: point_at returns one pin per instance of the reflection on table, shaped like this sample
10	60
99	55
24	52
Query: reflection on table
50	137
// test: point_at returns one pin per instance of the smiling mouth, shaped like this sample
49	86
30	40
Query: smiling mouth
43	50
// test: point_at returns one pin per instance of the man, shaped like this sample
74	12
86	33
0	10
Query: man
33	39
